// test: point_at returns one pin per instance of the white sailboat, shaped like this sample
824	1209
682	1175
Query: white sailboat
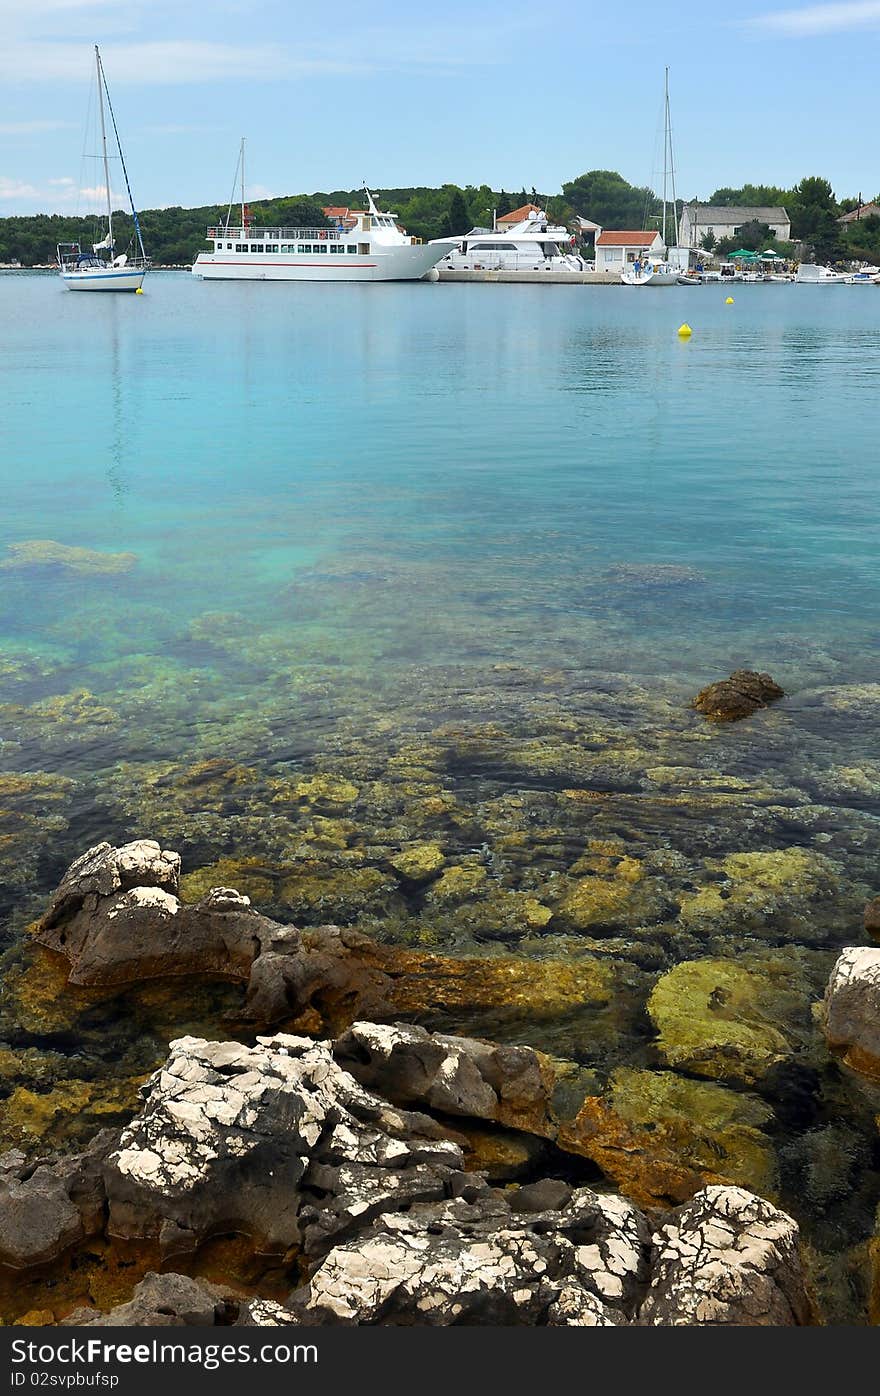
87	270
654	271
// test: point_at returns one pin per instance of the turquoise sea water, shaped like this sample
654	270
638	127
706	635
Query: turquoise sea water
466	551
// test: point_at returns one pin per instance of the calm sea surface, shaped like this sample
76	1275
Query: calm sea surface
464	553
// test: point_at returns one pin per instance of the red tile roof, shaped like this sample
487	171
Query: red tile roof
625	239
518	214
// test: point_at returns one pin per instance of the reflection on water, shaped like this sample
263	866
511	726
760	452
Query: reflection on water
443	566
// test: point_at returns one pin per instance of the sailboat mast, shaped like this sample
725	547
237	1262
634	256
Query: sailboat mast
104	145
671	160
242	181
665	148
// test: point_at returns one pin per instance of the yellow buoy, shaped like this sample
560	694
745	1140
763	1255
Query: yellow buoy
685	331
729	300
139	291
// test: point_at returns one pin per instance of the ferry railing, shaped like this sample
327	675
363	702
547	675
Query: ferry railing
279	234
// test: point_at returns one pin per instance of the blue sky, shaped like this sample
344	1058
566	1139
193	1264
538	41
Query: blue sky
399	93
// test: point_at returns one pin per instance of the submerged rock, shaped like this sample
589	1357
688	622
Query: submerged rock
43	552
727	1020
738	696
660	1137
851	1009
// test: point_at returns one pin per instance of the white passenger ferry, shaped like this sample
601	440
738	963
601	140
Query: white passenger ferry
368	246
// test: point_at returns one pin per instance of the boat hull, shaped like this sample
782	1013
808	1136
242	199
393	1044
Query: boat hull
385	264
654	278
113	279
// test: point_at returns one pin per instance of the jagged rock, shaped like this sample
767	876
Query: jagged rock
276	1140
478	1262
163	1301
851	1009
117	918
47	1206
728	1258
738	696
454	1075
103	871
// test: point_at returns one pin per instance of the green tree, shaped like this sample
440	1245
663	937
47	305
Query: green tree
503	205
708	240
607	198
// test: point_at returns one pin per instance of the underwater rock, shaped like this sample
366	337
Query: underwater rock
727	1020
164	1301
872	917
48	1206
654	574
728	1258
43	552
453	1075
419	863
776	892
232	1137
595	903
660	1137
851	1009
738	696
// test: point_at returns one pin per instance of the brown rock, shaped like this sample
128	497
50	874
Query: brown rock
872	917
738	696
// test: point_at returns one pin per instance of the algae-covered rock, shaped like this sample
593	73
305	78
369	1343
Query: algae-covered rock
341	895
84	562
419	863
322	792
66	1111
457	884
723	1019
621	902
660	1137
774	891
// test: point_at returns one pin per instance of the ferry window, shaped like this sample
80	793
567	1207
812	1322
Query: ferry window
304	247
256	247
242	248
270	249
351	250
364	249
333	249
323	247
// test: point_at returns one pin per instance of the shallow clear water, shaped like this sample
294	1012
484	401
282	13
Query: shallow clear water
471	550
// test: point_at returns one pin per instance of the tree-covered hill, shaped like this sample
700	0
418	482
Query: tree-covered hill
174	236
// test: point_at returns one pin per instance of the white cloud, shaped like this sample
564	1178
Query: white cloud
162	62
821	19
17	189
29	128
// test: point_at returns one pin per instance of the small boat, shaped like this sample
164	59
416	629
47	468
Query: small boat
865	276
690	279
88	270
810	275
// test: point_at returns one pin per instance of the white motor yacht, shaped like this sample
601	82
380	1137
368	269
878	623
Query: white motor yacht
531	245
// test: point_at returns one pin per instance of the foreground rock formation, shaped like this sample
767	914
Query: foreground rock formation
851	1009
372	1206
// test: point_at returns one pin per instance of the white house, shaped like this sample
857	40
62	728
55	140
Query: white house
616	250
699	219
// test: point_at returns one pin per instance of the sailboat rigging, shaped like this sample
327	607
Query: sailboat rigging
88	271
649	270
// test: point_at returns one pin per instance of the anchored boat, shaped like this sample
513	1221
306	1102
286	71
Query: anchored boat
89	270
368	246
